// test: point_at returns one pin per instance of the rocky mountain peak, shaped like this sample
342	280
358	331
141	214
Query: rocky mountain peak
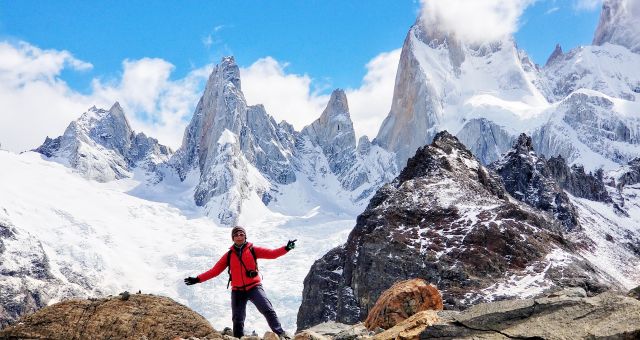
557	52
230	71
334	132
523	144
619	24
338	104
447	219
102	146
445	154
529	179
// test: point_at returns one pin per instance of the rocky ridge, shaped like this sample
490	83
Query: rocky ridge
449	220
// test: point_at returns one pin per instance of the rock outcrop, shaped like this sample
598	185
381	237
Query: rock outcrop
401	301
577	182
606	316
26	279
449	220
140	316
529	179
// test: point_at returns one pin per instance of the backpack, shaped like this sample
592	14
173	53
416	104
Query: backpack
255	259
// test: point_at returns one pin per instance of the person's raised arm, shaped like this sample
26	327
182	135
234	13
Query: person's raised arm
266	253
209	274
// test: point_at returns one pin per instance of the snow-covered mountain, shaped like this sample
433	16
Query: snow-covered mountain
62	236
619	24
239	153
485	93
450	220
582	104
101	146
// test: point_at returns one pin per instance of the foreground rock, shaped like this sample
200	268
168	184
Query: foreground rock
604	316
401	301
137	316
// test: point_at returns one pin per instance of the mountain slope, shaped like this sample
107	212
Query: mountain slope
62	236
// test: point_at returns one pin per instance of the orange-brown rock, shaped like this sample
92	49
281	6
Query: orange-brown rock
411	327
402	300
141	316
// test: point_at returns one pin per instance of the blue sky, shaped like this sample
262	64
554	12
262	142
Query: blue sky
329	40
97	49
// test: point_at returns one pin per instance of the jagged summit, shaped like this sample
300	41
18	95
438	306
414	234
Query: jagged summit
101	146
443	83
557	52
619	24
240	153
334	132
528	178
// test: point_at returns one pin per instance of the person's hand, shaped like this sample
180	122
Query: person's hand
191	281
290	245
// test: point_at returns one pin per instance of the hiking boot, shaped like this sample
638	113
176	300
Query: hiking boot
285	336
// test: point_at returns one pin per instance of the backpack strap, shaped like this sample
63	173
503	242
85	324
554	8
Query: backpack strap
229	266
255	258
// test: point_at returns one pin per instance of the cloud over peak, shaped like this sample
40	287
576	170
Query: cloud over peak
475	21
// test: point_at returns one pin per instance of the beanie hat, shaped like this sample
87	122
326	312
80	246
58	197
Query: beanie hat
237	229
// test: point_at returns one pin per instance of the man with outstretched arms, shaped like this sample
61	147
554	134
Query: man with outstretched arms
241	259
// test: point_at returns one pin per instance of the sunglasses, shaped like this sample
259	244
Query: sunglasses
238	234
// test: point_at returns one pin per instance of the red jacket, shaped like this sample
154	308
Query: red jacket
239	278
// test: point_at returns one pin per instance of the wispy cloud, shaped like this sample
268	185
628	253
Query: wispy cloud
552	10
475	21
207	41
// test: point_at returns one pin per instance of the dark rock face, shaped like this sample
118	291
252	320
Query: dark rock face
140	316
450	221
631	176
577	182
528	178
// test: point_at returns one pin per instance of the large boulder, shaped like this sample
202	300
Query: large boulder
138	316
401	301
606	316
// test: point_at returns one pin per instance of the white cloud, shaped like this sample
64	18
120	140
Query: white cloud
207	41
370	103
290	96
475	21
285	96
37	103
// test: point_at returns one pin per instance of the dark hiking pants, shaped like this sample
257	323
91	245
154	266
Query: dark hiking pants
256	295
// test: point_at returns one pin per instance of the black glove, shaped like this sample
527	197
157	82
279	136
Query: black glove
290	245
191	281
